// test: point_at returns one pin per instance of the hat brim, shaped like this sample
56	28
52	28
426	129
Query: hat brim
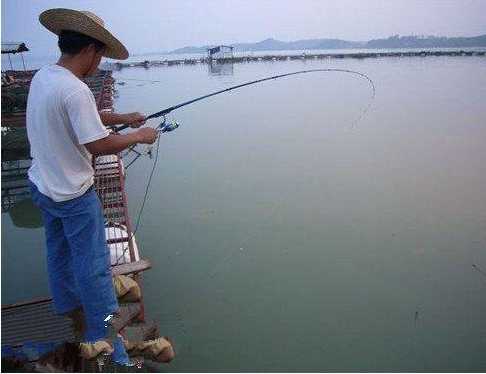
56	20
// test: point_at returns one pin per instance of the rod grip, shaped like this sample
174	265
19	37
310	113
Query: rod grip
120	128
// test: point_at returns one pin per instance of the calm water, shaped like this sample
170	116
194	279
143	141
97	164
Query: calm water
284	236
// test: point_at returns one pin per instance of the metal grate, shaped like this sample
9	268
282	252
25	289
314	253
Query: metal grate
109	183
34	322
37	322
101	84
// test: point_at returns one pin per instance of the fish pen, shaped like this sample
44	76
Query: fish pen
15	146
229	58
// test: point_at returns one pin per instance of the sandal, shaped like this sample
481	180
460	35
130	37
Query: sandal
159	350
127	290
89	351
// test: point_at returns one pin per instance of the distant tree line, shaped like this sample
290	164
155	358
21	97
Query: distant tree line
397	41
394	41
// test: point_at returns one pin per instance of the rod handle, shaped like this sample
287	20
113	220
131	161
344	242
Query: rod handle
120	128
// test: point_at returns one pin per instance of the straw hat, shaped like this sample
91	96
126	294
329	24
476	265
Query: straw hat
86	23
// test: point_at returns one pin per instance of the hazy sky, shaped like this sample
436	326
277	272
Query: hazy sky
153	25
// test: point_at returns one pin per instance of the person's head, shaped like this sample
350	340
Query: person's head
86	50
82	37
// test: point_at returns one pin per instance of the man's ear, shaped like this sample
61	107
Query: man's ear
90	49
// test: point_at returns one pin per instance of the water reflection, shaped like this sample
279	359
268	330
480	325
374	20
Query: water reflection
220	68
16	199
15	185
14	144
25	214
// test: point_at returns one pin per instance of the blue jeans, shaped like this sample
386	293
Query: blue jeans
78	258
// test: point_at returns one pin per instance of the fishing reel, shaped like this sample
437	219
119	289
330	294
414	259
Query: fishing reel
167	126
162	128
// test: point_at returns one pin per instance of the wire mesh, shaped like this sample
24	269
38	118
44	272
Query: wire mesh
110	183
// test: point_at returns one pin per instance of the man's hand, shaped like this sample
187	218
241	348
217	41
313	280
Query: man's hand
147	135
114	143
134	119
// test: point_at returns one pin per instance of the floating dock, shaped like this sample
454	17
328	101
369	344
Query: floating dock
33	323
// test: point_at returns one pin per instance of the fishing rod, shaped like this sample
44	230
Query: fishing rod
174	107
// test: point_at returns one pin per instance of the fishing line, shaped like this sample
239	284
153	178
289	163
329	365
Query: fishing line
145	196
144	200
170	109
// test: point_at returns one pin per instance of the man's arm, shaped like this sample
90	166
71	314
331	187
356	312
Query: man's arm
134	119
112	143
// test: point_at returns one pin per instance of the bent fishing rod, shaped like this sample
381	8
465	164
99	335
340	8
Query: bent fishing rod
171	127
167	127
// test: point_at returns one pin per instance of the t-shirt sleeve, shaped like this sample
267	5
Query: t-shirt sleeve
84	117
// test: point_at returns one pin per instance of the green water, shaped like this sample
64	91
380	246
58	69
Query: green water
284	236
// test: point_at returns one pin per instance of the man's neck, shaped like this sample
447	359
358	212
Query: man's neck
72	65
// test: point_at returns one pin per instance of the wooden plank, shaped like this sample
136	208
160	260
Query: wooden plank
35	301
131	267
15	120
141	331
126	314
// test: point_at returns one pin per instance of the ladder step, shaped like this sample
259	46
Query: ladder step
126	314
141	331
132	267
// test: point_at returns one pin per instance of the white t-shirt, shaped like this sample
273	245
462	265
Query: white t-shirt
61	117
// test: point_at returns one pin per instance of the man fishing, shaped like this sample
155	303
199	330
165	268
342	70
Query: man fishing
64	130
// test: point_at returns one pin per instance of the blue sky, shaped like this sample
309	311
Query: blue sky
152	25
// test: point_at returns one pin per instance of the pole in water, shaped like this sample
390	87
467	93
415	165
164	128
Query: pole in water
475	267
23	62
